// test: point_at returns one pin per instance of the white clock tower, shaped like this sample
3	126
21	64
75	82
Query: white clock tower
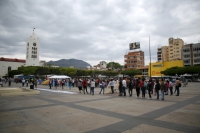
32	50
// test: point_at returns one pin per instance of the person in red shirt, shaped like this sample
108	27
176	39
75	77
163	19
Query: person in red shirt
85	86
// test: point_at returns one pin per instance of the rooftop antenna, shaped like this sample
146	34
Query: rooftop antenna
33	29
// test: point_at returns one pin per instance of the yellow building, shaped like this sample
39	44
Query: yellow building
157	67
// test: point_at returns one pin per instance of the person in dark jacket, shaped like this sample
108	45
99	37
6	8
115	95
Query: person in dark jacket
157	88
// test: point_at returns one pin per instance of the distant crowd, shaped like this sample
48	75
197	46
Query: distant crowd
140	85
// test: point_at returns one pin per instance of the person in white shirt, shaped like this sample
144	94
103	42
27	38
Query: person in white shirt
111	83
171	87
124	86
92	87
23	82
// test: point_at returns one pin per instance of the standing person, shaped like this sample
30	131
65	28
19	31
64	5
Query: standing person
120	87
26	82
79	84
70	83
177	85
162	89
142	87
9	82
111	83
63	83
35	82
92	87
166	87
130	87
73	82
137	87
23	82
56	83
124	86
157	88
171	87
85	86
50	83
150	87
102	85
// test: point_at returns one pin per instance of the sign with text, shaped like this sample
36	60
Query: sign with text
135	45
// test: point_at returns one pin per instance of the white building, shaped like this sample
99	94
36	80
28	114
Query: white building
32	51
7	64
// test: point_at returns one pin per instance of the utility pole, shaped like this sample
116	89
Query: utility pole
150	58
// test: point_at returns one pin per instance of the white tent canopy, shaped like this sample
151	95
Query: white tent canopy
59	77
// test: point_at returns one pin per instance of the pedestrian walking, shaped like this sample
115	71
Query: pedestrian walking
111	83
50	84
120	87
171	87
130	87
85	86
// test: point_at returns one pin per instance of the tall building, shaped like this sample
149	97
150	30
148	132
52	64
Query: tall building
32	50
175	48
133	60
163	53
191	54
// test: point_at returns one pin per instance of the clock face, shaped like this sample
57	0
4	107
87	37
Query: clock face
34	44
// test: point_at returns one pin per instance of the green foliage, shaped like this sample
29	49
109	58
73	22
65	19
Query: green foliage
131	72
114	65
14	72
181	70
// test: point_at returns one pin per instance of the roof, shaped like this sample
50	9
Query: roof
12	60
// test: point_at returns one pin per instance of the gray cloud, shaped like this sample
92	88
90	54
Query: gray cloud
93	30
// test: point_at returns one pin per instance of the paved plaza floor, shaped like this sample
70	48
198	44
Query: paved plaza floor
68	111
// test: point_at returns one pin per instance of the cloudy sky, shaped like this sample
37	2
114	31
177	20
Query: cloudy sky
95	30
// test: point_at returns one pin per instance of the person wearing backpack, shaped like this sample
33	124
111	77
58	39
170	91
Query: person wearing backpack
157	88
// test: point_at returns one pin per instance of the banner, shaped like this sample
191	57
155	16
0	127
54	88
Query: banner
135	45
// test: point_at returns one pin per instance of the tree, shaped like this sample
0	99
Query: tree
113	65
131	72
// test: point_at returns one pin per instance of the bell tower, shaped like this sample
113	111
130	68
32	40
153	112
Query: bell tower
32	50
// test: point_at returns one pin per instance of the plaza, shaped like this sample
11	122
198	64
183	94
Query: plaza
68	111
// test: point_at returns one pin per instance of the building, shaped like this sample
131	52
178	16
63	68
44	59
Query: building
102	65
144	71
32	57
163	53
175	48
32	51
157	67
191	54
134	60
171	52
7	64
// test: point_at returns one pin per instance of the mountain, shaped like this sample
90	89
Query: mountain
70	62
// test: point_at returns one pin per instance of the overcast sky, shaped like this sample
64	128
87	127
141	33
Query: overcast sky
95	30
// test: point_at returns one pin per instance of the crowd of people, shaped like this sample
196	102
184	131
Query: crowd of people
140	85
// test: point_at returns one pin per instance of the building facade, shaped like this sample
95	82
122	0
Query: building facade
157	67
7	64
32	51
175	49
191	54
133	60
163	53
